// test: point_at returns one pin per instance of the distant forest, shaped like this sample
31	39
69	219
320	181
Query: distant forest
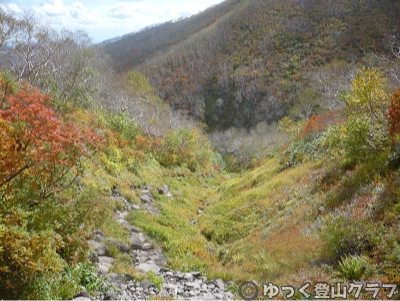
242	63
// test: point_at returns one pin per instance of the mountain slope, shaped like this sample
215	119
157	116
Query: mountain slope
133	49
261	61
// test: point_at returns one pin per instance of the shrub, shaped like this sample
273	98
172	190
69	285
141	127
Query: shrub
368	96
365	133
180	148
301	150
394	117
318	123
349	236
122	125
158	281
353	267
45	216
66	284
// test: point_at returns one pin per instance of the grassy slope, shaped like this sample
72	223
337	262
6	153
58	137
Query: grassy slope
267	224
262	221
264	224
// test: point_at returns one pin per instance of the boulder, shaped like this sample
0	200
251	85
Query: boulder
105	263
99	236
149	266
82	296
147	247
122	247
163	190
145	284
220	284
98	248
145	198
111	296
137	241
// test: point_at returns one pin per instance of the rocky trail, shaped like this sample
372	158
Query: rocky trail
147	256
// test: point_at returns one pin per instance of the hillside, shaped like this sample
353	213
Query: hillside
94	164
258	61
133	49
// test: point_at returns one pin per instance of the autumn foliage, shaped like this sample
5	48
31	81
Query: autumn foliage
40	213
394	116
35	140
181	148
318	123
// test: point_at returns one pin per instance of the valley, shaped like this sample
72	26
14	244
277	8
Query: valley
258	140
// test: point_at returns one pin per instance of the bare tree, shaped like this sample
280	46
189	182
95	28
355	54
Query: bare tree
393	41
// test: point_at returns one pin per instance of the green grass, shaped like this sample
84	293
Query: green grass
262	224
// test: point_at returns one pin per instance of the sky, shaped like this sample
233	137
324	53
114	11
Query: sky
106	19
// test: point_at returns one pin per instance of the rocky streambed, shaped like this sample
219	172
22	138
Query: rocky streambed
147	256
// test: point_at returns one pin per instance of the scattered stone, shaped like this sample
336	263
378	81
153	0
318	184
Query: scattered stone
192	293
196	274
169	195
98	248
123	247
147	192
220	284
148	257
122	215
163	190
192	285
99	236
188	276
135	229
151	209
94	258
82	295
145	284
136	241
115	192
145	198
111	296
147	246
135	207
105	263
149	266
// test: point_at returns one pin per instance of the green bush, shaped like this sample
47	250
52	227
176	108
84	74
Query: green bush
353	267
158	281
66	284
185	148
345	236
302	150
122	125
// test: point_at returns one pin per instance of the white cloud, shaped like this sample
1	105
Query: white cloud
53	8
120	11
104	19
11	8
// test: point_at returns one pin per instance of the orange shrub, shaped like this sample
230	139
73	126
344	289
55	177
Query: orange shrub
318	123
394	117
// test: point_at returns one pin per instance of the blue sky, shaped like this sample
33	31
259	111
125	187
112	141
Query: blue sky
105	19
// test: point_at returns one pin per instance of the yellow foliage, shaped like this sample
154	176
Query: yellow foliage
27	254
369	96
138	84
290	127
